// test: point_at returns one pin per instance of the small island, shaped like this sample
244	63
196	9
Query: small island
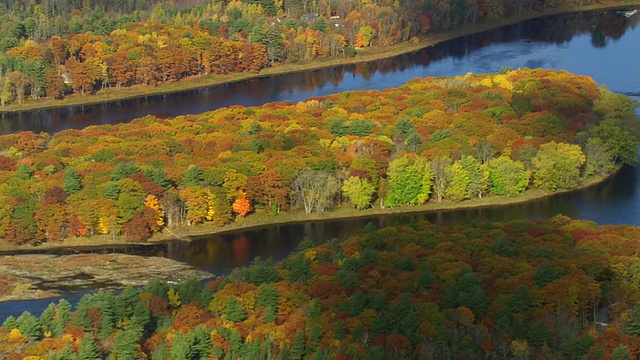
42	276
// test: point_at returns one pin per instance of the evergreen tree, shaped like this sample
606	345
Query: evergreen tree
521	300
188	290
339	331
125	302
299	269
621	353
538	334
545	274
105	300
65	354
633	324
235	312
180	347
28	326
81	315
268	297
111	190
158	176
124	170
160	352
63	314
194	176
10	323
298	348
157	287
88	349
236	344
200	344
46	318
261	272
72	181
126	345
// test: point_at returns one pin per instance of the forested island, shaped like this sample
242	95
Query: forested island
559	288
56	49
432	140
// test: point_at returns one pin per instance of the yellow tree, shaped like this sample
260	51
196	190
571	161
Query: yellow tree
151	202
200	203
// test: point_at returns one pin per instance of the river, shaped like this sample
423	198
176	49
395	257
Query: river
603	45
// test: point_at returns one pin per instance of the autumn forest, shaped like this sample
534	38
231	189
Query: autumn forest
54	49
558	288
431	140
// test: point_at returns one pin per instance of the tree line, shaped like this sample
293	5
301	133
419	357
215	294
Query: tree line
431	140
558	288
54	48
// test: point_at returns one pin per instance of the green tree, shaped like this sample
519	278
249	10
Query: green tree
194	176
28	326
621	353
621	145
88	349
298	348
545	273
10	323
478	176
413	141
72	182
359	191
234	311
459	181
521	300
599	161
410	181
507	177
404	126
126	345
180	347
61	318
124	170
557	166
633	324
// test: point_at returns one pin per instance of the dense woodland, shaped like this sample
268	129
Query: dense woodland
560	288
431	140
51	48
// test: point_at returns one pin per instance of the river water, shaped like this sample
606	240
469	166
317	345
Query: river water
603	45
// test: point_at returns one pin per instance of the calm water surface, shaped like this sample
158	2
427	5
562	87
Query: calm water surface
601	45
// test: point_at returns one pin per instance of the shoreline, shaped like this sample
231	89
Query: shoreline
113	95
187	234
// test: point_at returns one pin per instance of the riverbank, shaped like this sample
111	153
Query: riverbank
106	244
363	55
46	274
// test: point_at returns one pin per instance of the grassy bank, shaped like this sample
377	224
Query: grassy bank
363	55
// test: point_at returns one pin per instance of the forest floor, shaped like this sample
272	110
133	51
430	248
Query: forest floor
363	55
